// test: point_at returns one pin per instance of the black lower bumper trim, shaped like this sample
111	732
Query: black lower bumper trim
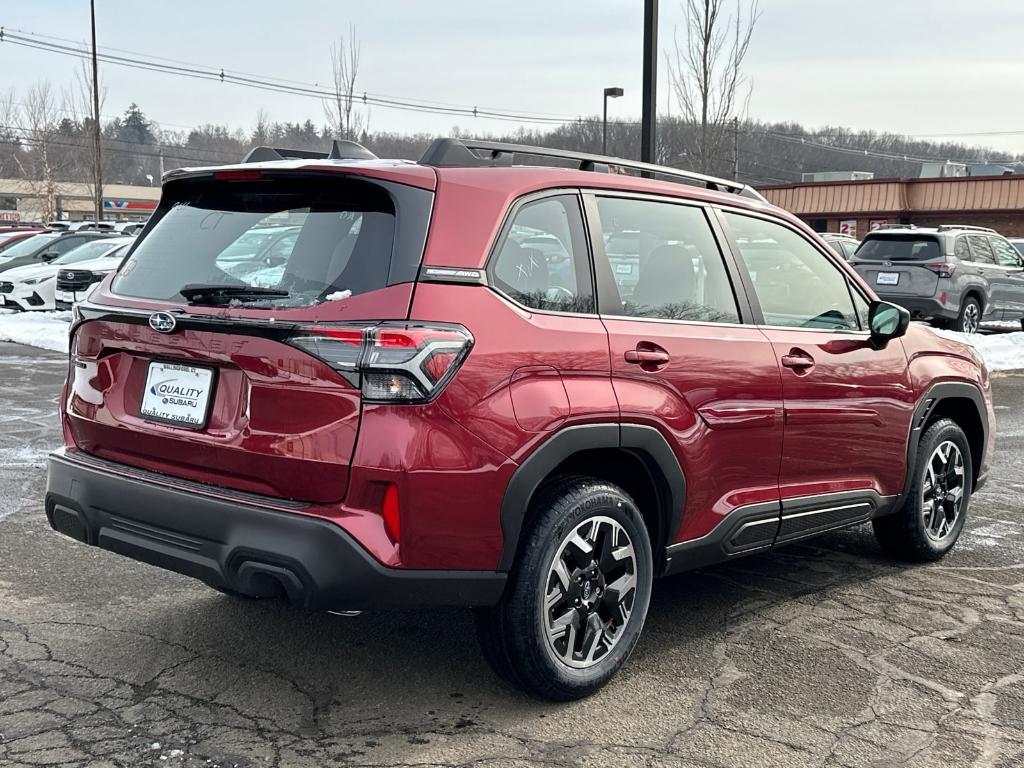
242	547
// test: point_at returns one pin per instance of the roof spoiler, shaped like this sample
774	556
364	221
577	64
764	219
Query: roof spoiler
469	152
341	149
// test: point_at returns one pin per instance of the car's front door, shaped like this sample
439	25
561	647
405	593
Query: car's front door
848	404
684	362
1009	264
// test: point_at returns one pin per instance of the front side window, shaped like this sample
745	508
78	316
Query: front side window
795	283
541	261
1006	254
665	262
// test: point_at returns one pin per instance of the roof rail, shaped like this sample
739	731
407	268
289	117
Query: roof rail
341	149
464	152
947	227
896	226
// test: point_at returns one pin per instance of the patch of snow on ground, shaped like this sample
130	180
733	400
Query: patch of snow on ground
1000	351
47	330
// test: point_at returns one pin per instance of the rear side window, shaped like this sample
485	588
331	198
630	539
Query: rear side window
899	248
665	263
963	250
309	239
981	251
796	285
542	260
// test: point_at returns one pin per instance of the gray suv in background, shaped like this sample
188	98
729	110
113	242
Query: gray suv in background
955	276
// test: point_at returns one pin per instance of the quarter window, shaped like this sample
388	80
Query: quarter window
963	250
795	283
542	261
665	263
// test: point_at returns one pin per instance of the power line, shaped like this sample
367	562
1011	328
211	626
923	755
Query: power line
264	84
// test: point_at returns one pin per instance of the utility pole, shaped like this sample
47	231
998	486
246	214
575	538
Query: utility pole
735	149
650	87
97	171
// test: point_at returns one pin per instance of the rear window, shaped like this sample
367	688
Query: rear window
304	238
900	248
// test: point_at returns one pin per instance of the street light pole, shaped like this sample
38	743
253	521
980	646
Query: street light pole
98	166
650	93
609	93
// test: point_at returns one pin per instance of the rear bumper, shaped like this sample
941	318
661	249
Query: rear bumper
234	543
921	307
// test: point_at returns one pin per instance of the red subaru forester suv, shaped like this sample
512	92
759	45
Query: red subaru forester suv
352	383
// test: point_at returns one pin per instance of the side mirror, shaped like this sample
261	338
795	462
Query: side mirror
49	255
887	321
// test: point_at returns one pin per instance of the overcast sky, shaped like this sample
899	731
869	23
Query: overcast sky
912	66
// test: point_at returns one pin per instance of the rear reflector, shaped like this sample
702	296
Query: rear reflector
394	362
391	513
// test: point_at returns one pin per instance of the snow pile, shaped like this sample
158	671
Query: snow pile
1000	351
47	330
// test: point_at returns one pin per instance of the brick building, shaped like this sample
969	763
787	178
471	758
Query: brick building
859	206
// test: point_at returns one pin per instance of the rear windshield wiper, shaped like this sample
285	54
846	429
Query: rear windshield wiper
214	293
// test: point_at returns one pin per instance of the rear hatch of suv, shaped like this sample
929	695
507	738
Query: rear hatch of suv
901	264
227	348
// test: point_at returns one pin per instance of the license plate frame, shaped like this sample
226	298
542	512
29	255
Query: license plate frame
887	278
186	377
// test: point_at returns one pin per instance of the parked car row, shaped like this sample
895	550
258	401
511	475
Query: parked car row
33	263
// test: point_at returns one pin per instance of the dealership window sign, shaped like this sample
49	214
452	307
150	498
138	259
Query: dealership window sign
10	216
876	224
848	227
128	205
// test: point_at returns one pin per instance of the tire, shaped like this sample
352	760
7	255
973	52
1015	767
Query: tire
585	605
969	319
922	529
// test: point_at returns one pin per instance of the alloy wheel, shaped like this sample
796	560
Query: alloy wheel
972	318
942	492
589	592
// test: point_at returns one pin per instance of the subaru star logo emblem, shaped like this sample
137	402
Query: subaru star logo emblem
162	322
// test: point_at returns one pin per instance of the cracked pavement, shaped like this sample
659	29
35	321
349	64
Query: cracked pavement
823	654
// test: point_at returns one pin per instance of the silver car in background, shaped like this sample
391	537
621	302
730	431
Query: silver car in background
956	276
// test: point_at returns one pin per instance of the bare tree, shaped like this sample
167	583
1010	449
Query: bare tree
40	154
707	75
342	114
79	101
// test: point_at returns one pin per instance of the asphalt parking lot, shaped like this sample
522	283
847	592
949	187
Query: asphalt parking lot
819	655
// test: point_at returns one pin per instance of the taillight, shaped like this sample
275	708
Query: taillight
391	362
941	268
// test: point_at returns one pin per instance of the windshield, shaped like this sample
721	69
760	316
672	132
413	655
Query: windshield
303	238
85	252
27	246
899	248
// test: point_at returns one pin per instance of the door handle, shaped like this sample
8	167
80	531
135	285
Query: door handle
798	360
648	356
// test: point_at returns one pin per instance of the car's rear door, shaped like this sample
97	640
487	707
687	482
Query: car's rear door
848	404
685	362
983	264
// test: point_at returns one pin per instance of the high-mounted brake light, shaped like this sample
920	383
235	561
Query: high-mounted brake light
390	362
941	268
242	175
